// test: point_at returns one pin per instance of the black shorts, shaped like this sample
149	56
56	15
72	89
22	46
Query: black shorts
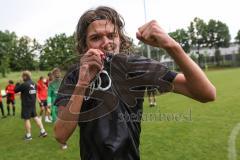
28	112
151	91
43	103
10	101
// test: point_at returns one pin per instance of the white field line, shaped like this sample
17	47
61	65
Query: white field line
232	153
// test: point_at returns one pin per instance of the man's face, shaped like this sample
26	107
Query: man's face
57	74
50	77
101	35
24	78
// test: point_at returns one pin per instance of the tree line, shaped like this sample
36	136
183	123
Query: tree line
21	53
199	34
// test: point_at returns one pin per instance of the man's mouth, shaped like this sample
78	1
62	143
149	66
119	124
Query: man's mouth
111	48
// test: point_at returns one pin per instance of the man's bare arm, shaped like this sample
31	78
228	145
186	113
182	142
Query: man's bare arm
192	82
68	116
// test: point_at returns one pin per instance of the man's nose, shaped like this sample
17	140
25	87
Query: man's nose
105	42
108	45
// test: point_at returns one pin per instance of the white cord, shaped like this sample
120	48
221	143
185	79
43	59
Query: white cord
98	81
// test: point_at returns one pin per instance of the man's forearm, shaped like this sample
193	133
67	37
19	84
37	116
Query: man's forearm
68	116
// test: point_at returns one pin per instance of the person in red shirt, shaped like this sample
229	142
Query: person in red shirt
10	97
42	90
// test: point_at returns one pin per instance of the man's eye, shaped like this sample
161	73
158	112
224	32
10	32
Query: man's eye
112	36
95	38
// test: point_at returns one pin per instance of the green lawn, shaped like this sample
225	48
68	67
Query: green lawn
183	129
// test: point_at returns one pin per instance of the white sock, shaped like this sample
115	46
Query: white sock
28	134
49	118
42	130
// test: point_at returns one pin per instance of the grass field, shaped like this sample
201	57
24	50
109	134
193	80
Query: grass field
182	129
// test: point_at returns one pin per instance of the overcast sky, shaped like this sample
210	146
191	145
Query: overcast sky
41	19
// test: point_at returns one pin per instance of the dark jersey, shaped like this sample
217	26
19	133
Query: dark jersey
28	93
115	134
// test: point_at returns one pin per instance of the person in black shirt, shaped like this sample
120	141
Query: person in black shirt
151	93
1	104
28	102
103	94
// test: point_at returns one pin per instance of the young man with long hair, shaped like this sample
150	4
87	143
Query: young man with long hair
97	104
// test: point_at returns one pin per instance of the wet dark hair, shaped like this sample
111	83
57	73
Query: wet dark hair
26	74
56	71
101	13
10	82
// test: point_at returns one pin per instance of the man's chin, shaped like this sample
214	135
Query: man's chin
111	52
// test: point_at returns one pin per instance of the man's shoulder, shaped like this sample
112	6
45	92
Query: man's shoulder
29	83
72	74
132	57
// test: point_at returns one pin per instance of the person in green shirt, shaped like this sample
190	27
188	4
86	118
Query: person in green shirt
52	92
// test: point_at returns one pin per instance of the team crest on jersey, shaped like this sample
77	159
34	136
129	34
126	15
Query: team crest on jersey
33	90
32	86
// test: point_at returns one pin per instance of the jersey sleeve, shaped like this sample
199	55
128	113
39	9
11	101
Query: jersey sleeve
19	87
170	76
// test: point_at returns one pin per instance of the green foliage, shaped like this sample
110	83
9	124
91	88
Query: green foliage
198	33
218	34
17	54
7	45
212	34
182	37
58	51
237	38
25	54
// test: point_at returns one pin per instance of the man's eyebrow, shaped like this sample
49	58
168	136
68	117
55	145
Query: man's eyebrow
93	34
96	34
